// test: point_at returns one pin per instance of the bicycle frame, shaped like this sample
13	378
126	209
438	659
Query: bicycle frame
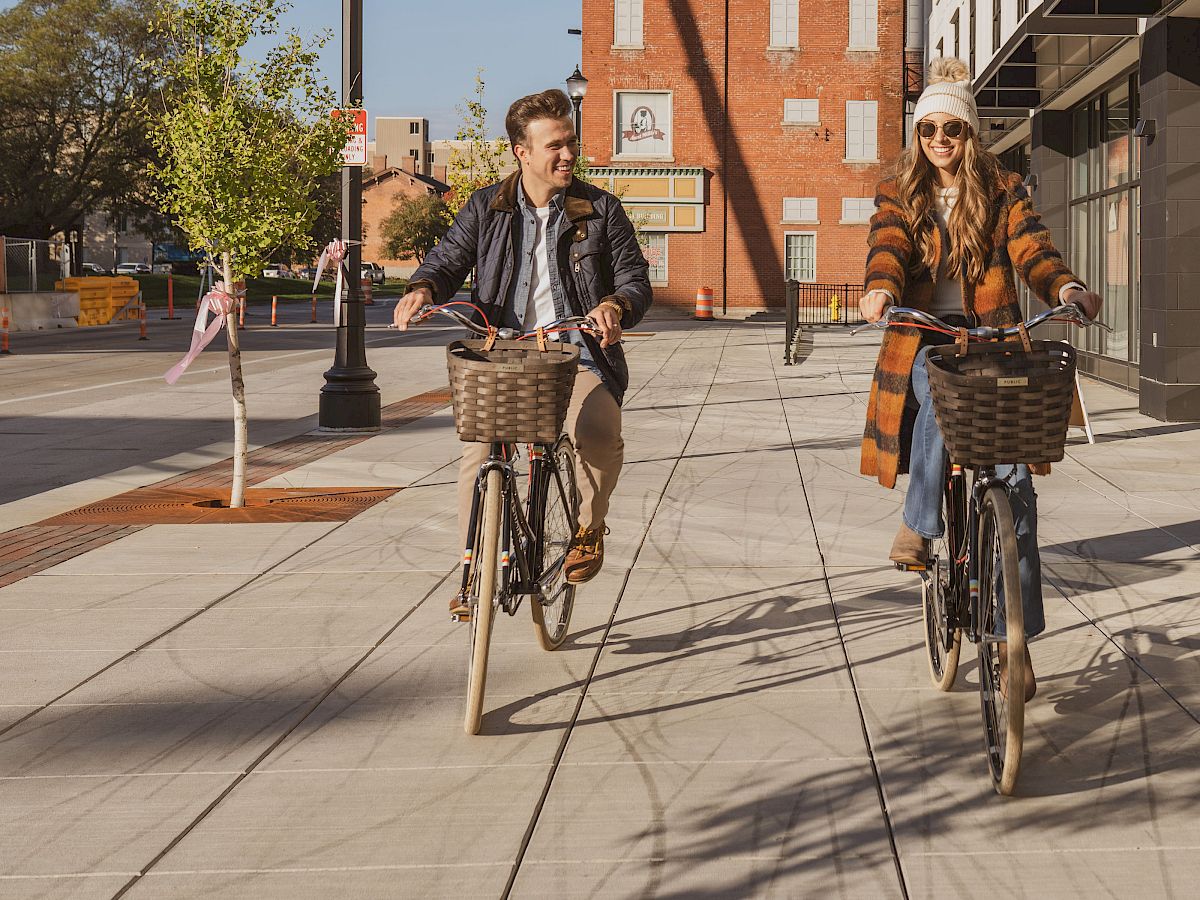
527	577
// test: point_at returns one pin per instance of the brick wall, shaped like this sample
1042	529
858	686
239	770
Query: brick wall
756	161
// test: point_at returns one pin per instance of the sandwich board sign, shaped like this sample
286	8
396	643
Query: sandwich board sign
355	151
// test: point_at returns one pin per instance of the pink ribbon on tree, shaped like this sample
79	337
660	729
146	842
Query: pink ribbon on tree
335	252
220	303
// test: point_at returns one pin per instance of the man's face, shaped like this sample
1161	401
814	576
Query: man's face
548	154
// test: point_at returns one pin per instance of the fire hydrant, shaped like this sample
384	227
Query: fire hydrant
834	308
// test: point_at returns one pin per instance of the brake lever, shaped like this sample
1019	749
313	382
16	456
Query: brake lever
882	322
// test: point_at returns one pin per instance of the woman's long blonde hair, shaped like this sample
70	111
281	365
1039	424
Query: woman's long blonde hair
969	222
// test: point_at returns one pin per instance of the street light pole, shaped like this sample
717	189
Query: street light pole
576	89
350	397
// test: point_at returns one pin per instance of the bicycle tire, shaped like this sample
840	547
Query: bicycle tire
1003	714
484	569
943	645
559	518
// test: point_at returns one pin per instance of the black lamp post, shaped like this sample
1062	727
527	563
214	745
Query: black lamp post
350	397
576	90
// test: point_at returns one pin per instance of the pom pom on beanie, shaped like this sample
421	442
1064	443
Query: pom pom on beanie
948	90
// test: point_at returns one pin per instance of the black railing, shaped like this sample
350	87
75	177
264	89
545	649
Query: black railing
818	304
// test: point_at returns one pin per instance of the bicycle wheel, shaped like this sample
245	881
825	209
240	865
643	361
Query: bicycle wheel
552	607
1003	714
943	642
484	569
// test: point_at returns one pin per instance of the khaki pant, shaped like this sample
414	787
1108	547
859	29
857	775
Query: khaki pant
594	425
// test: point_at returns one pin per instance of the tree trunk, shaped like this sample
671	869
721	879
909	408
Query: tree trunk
237	496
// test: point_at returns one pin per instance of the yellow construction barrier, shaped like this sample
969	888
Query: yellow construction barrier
103	298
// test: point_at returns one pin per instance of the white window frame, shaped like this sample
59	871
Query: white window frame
865	209
630	37
801	111
669	156
784	25
862	108
786	272
800	210
864	25
666	258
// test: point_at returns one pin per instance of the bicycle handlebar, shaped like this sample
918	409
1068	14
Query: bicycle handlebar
1067	312
570	323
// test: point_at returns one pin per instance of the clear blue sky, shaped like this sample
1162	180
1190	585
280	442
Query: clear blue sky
419	58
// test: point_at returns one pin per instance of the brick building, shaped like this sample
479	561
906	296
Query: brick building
381	190
746	135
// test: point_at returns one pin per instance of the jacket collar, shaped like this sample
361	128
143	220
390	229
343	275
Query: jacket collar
576	203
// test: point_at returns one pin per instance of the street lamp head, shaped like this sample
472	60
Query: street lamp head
576	85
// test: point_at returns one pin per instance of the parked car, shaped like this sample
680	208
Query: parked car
274	272
89	268
129	268
373	272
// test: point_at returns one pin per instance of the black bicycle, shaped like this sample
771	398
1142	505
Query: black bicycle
973	568
517	545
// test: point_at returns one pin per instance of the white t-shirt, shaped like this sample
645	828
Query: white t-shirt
539	308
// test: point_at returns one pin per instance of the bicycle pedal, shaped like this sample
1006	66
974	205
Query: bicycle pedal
908	567
460	617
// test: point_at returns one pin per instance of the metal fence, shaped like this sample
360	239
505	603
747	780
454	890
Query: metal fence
32	265
818	304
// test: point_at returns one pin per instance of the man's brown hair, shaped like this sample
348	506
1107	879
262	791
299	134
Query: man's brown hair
551	104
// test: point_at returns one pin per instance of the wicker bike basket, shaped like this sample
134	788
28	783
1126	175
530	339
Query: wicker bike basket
513	392
999	404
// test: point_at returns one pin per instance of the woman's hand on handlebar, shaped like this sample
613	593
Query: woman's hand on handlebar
1088	301
873	305
408	305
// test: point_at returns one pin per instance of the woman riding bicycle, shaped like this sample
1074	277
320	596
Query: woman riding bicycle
948	231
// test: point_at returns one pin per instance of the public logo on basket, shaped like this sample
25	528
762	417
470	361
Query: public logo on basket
508	367
642	126
1012	382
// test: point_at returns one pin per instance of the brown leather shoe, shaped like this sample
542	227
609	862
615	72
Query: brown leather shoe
460	608
585	559
909	548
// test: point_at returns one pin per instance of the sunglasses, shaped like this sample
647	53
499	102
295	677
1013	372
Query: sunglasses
953	129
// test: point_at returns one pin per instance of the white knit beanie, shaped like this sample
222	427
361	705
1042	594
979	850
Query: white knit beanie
948	90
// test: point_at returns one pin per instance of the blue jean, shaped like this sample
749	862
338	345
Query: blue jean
923	502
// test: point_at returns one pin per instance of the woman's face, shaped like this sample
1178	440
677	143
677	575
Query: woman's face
944	152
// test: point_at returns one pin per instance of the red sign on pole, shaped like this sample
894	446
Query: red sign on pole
355	151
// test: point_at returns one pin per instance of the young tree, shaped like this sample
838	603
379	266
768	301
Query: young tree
243	145
479	163
415	226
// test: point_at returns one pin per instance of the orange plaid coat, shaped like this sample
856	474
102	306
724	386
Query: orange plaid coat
1019	241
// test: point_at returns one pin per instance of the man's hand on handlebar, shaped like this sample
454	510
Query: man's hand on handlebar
1089	301
608	320
873	305
408	305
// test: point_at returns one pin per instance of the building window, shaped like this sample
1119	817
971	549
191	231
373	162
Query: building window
414	152
654	249
801	112
627	23
431	157
785	23
864	24
1022	9
800	255
1105	194
941	50
971	40
954	24
862	141
800	209
857	210
414	127
643	124
996	25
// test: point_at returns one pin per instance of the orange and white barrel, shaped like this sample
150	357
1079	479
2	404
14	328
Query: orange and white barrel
704	304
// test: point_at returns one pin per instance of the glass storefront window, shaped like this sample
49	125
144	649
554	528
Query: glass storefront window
1079	154
1116	136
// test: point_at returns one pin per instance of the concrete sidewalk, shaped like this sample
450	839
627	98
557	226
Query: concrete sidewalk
742	708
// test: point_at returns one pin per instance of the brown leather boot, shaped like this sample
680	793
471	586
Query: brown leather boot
909	548
1030	681
586	556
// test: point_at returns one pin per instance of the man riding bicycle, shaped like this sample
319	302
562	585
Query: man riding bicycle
545	246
